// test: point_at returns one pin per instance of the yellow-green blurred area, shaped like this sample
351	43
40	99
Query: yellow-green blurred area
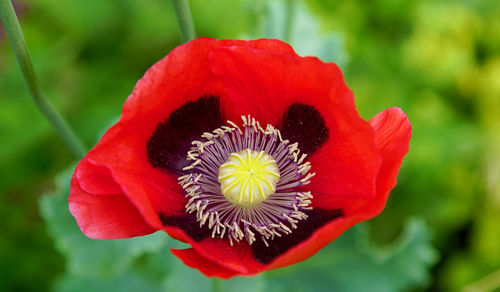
437	60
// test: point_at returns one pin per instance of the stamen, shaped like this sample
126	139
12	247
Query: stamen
243	182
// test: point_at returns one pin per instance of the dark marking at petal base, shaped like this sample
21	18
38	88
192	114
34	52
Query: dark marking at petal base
168	146
304	124
188	224
279	245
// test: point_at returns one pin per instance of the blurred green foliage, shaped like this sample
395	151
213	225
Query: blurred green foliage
437	60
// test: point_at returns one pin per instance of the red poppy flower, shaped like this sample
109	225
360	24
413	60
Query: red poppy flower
254	156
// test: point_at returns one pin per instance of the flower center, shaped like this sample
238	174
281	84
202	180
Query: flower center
246	183
248	177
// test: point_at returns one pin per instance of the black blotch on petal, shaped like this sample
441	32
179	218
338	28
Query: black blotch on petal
187	223
304	124
279	245
167	147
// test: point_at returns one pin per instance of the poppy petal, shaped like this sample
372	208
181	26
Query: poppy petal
319	239
303	124
392	135
188	224
265	254
96	179
105	217
171	140
250	260
250	82
263	83
237	257
209	268
347	165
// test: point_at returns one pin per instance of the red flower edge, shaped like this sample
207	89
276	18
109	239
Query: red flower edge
116	191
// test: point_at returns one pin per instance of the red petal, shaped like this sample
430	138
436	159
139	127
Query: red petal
237	258
347	165
96	179
392	135
271	45
264	84
256	82
182	76
150	190
105	217
209	268
322	237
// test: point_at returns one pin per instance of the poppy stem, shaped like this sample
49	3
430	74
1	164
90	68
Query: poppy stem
185	20
15	35
290	13
216	287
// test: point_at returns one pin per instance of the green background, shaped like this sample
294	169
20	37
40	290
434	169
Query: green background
437	60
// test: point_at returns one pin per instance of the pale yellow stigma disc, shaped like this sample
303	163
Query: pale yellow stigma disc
248	177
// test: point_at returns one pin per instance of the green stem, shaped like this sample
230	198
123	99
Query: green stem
15	34
185	20
216	287
290	13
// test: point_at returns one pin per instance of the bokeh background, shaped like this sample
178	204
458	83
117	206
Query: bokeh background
437	60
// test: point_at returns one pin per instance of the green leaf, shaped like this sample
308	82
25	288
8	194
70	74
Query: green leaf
88	257
351	263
